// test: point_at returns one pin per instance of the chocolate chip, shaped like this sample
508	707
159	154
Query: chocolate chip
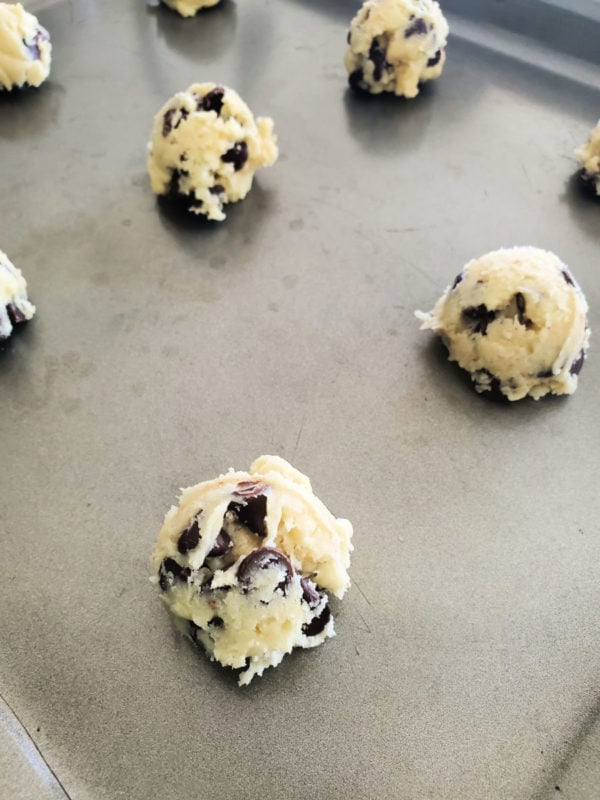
435	59
190	537
576	366
33	47
213	101
250	489
478	318
222	544
252	510
171	571
546	373
168	125
356	80
460	277
377	56
417	28
523	320
264	558
238	155
15	314
217	189
568	277
216	622
317	625
176	175
309	593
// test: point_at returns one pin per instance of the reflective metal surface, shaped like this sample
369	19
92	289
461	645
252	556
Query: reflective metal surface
165	350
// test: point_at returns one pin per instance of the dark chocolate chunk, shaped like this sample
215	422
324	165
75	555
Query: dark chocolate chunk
33	47
168	125
174	189
459	278
317	625
190	537
171	571
309	593
416	28
546	373
15	314
478	318
568	277
217	189
494	392
576	366
264	558
523	320
356	80
377	56
213	101
252	512
237	155
250	489
216	622
222	544
434	59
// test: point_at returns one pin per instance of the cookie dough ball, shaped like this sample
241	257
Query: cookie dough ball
394	45
187	8
589	155
14	304
516	320
25	49
245	562
206	147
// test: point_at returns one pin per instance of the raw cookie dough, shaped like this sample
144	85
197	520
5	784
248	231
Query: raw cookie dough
206	147
25	49
187	8
245	562
393	45
589	155
14	305
516	320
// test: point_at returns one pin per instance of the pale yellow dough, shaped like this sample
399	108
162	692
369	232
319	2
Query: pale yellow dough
206	147
394	45
516	319
244	563
589	156
25	49
187	8
14	303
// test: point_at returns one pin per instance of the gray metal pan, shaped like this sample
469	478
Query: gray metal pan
164	351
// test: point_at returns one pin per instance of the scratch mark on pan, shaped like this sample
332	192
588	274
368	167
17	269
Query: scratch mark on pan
362	593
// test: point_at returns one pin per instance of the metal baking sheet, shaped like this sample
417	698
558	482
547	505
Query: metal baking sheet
466	662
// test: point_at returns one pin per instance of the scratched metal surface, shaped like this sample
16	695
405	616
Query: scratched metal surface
467	659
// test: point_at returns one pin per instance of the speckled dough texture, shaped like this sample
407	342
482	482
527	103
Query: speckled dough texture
516	319
25	49
589	156
244	564
14	303
206	147
187	8
394	45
